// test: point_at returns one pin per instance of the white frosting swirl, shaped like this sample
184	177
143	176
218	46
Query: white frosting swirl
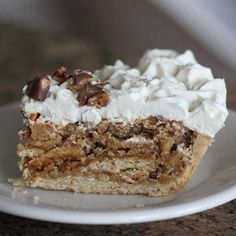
164	83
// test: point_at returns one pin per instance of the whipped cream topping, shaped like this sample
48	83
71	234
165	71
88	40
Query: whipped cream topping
164	83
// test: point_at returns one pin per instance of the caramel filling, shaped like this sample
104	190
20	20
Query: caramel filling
148	149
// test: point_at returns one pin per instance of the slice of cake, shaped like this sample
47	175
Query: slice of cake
121	130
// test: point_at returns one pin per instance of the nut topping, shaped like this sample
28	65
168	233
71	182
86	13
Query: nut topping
88	91
99	100
38	88
82	77
83	83
60	75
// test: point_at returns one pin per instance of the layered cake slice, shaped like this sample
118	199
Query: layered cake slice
121	130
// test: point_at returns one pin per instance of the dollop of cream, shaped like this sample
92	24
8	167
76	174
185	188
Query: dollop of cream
164	83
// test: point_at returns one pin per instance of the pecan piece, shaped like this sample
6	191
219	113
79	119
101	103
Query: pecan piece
99	100
88	91
60	75
82	77
38	88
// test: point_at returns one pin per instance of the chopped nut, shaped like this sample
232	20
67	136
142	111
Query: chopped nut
93	89
119	130
38	88
103	126
72	143
60	75
79	79
88	91
33	116
71	128
99	100
150	123
82	77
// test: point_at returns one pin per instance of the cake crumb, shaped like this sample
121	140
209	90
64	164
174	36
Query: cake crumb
14	193
36	199
18	192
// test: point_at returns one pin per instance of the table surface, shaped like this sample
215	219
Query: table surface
21	59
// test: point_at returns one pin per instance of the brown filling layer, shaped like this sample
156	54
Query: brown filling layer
165	150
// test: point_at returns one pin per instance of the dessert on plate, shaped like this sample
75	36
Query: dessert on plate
121	129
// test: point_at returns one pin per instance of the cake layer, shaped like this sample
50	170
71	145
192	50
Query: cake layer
143	153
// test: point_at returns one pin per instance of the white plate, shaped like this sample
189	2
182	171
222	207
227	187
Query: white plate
213	184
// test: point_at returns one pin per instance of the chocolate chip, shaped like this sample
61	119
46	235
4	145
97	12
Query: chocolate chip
136	129
187	139
147	133
173	148
60	75
158	149
153	175
82	77
159	169
88	91
38	88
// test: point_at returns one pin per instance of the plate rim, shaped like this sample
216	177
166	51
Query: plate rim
121	216
134	215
